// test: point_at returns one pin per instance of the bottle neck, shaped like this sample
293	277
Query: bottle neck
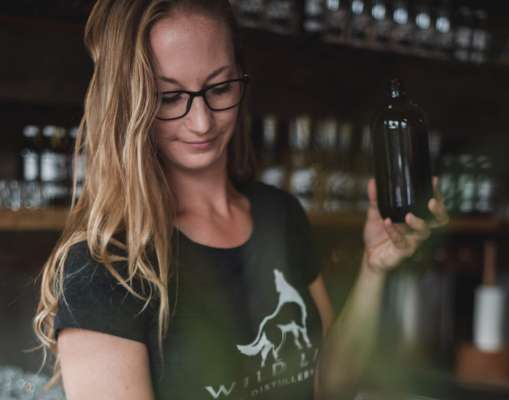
396	94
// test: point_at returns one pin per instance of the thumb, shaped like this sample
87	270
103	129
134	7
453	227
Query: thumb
372	192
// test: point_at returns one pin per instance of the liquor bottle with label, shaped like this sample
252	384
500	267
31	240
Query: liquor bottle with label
303	173
283	16
272	171
314	16
402	158
337	17
54	175
80	163
341	181
30	154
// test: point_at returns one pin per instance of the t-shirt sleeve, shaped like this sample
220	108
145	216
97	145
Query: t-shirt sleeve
94	300
302	242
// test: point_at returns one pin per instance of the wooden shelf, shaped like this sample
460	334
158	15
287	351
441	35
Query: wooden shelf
54	219
48	219
460	225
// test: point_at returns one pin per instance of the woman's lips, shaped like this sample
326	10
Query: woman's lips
204	144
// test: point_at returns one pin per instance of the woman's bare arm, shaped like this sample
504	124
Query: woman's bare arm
323	302
99	366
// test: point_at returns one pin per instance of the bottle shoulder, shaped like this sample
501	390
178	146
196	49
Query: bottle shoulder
400	111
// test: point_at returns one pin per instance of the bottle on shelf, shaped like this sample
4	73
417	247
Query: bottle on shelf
485	186
325	145
463	34
30	153
402	158
250	13
363	170
314	16
302	173
54	176
336	20
283	16
360	22
402	24
382	23
272	169
80	163
481	38
448	182
424	29
340	180
466	185
443	35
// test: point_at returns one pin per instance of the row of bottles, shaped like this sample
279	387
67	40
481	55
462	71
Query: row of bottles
433	28
318	161
469	184
327	163
46	158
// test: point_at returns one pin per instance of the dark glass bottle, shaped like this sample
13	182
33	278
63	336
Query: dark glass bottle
401	156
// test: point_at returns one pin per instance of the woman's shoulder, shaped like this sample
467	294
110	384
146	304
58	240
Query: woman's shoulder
81	265
94	299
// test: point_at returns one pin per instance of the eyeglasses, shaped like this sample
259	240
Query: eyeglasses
221	96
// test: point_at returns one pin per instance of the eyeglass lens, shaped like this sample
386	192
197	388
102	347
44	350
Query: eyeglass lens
218	97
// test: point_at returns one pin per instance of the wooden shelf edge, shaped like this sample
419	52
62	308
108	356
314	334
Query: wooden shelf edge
54	219
33	220
457	225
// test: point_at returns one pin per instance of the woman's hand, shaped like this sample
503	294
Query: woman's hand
387	244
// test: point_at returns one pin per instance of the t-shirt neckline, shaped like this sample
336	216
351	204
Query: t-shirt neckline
245	190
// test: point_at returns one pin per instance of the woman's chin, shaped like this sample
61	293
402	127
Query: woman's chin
203	162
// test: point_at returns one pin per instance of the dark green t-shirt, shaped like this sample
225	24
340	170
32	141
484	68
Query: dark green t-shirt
243	323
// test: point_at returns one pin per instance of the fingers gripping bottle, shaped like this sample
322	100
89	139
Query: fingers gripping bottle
401	157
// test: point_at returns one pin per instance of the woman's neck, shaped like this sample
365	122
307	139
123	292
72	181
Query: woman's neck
201	192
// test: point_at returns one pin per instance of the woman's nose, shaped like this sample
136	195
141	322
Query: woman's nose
199	118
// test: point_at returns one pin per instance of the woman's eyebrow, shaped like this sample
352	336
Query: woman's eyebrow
211	76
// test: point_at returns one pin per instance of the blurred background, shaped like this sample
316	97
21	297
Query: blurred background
318	74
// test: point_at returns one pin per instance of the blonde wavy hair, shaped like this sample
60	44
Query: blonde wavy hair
126	201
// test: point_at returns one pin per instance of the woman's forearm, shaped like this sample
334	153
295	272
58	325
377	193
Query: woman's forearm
352	336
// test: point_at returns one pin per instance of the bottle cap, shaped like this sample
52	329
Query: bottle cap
396	88
30	131
49	130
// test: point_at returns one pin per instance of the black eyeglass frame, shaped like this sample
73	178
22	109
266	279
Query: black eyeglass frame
201	93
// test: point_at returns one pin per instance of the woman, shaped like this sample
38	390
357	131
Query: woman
177	276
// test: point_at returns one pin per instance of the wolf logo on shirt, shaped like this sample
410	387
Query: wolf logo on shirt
275	328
